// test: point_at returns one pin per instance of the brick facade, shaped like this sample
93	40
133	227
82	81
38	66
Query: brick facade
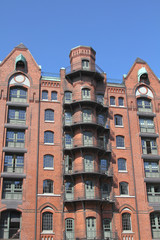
79	155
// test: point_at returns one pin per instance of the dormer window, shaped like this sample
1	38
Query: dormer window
143	75
20	63
85	64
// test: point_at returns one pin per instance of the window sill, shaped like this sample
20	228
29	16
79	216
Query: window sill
47	232
122	171
48	169
112	105
48	195
121	126
124	196
120	147
49	143
124	232
49	121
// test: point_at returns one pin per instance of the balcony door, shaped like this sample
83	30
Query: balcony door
107	228
69	228
105	191
88	139
89	189
10	225
91	228
68	164
69	191
155	225
88	163
87	115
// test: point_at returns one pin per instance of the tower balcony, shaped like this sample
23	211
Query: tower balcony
93	169
81	69
96	144
91	120
87	101
89	195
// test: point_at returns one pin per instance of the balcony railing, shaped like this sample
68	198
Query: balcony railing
13	169
19	99
152	174
88	234
154	198
149	150
144	108
17	121
78	66
147	129
12	196
95	195
94	100
89	168
101	145
89	120
15	144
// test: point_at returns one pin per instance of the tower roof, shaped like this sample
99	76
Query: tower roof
21	45
139	60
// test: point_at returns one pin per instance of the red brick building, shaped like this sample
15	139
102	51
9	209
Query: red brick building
79	155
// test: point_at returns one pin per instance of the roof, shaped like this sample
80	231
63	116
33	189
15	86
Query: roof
21	45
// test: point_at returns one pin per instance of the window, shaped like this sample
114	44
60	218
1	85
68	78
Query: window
120	141
87	115
16	115
68	140
85	64
123	187
149	146
144	105
68	97
112	101
49	137
44	95
155	225
121	164
107	228
120	101
49	115
153	193
87	138
68	118
18	94
86	93
20	63
118	120
91	227
151	169
69	191
12	189
13	163
47	186
54	96
15	138
47	221
100	119
69	228
48	161
100	98
126	222
146	125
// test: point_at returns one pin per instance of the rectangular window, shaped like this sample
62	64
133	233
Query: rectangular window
15	139
12	189
14	163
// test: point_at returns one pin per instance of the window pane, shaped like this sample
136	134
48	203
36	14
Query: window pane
48	137
120	101
118	120
45	95
123	188
112	100
119	141
47	186
48	161
49	115
54	96
47	221
126	221
121	164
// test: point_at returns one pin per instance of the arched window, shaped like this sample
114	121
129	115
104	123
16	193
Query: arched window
112	101
121	164
144	105
123	188
86	94
120	101
44	95
49	115
48	137
54	96
69	228
18	94
47	186
68	97
118	120
47	221
120	141
85	64
126	222
48	161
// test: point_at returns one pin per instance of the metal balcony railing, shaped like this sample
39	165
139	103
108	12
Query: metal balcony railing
13	169
90	235
149	150
15	144
78	66
147	129
90	99
100	144
90	120
142	108
94	195
16	121
152	174
90	168
12	195
154	197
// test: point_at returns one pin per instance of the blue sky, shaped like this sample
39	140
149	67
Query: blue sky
119	31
